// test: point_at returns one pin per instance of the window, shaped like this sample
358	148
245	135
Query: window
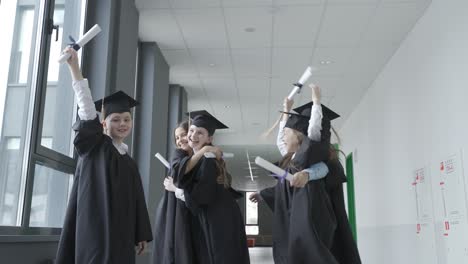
10	166
16	90
50	197
37	109
58	116
251	215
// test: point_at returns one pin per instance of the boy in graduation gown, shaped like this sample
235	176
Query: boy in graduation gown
107	214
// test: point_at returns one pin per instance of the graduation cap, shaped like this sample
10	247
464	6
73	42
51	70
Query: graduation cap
300	122
327	112
204	119
118	102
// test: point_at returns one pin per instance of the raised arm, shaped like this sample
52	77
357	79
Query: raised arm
315	122
287	105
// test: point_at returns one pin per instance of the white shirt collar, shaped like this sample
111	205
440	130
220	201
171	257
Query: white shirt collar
121	147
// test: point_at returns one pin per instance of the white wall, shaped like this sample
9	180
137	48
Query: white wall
413	115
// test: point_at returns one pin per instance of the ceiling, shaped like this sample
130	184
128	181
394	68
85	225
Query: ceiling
238	58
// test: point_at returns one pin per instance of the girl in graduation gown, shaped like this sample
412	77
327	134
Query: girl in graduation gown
304	222
217	226
173	244
344	247
107	214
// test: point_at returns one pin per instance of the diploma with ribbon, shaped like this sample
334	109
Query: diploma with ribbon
163	160
76	45
212	155
297	86
277	171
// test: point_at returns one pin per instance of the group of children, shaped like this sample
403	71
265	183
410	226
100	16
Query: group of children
198	219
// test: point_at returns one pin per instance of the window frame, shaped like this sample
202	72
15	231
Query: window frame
34	153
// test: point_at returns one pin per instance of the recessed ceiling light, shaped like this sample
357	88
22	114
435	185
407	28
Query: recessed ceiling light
274	9
212	64
326	62
249	29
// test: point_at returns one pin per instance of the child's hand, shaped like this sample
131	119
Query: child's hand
300	179
169	184
73	60
255	197
215	150
141	247
316	93
73	64
287	105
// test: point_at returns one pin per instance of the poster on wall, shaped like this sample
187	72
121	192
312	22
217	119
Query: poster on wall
452	187
421	188
423	195
450	209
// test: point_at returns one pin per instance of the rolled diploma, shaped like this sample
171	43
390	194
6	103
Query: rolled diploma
163	160
212	155
271	167
82	41
305	76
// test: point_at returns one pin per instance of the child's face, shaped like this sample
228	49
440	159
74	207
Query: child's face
198	137
118	125
181	139
290	139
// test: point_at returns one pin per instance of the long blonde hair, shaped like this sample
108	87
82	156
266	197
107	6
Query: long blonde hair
223	176
333	152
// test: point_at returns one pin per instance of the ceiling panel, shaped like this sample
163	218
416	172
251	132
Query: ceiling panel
296	26
246	3
159	26
181	64
148	4
221	89
202	28
195	4
397	20
193	86
251	62
252	31
370	59
343	25
253	88
290	62
331	60
298	2
213	62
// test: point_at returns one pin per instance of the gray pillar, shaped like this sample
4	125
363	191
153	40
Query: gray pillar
177	110
98	62
110	58
151	134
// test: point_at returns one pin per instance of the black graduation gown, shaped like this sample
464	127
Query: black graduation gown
344	247
217	225
107	214
172	244
304	222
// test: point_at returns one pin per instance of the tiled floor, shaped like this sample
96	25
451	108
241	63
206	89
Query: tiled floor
261	255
